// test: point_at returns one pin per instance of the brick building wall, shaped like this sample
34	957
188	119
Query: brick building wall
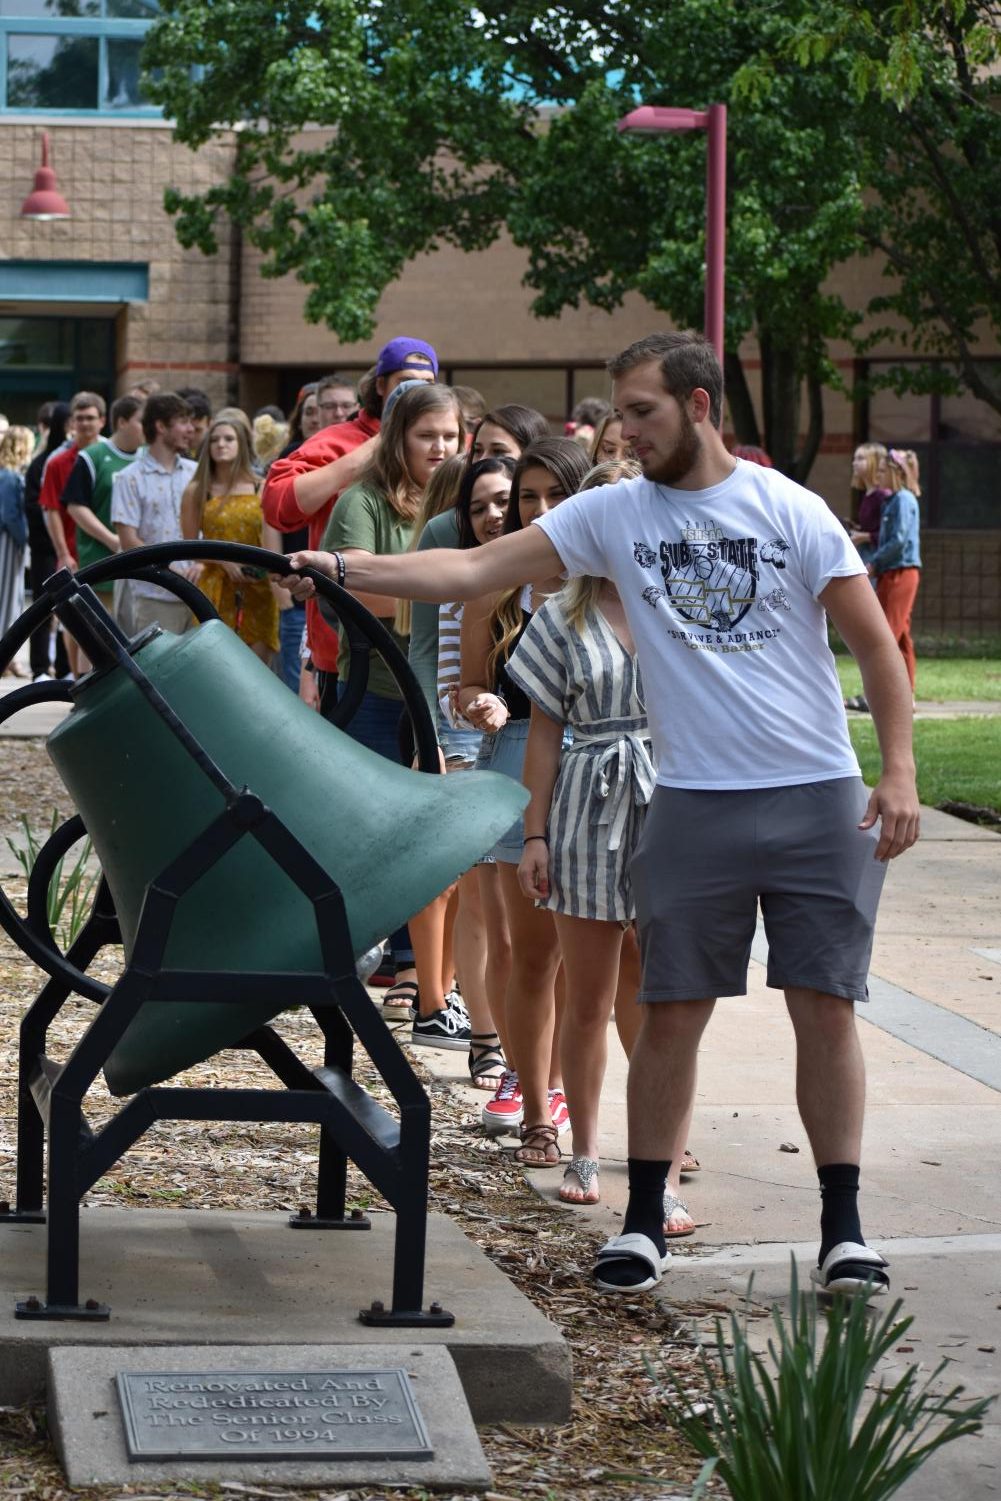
960	593
113	176
214	322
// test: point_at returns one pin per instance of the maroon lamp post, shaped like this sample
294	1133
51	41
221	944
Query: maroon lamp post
45	200
652	119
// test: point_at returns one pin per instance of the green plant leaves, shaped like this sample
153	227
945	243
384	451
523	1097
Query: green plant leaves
71	894
806	1421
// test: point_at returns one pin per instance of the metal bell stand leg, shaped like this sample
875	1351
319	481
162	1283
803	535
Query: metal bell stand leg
393	1154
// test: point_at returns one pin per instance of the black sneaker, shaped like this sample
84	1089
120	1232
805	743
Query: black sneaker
447	1028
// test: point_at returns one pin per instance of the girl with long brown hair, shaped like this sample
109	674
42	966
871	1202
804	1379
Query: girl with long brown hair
221	504
422	427
530	1094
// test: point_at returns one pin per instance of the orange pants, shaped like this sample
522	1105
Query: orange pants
896	590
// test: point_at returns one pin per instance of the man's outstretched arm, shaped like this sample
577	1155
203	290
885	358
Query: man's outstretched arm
441	574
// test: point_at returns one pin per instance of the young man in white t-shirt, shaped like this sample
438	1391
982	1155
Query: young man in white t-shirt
728	573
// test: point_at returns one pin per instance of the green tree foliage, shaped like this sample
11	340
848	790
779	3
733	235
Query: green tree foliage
447	125
602	214
407	161
925	90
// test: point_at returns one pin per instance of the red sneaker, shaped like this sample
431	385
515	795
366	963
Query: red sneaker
505	1112
559	1111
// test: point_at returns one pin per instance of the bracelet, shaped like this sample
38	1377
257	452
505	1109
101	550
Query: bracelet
543	837
342	568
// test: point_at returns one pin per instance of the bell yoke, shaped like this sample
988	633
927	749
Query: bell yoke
210	793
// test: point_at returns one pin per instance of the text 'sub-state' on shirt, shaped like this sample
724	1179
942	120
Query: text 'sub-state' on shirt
721	588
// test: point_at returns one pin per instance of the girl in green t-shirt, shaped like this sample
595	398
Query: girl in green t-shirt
422	426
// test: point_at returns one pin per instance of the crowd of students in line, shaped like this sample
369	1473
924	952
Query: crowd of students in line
524	962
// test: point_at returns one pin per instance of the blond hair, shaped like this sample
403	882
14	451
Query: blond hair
440	495
580	595
912	469
902	469
873	455
269	437
16	448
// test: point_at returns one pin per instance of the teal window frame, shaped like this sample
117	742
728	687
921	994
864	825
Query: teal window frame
105	28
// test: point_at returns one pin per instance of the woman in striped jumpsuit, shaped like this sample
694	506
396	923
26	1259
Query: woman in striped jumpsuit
576	663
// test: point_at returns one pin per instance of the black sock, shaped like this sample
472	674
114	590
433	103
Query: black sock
839	1217
645	1210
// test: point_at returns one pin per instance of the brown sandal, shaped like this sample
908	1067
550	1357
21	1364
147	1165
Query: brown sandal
539	1139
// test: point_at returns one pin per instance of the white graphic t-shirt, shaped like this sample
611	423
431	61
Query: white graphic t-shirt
720	587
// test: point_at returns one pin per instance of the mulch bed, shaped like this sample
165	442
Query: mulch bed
617	1444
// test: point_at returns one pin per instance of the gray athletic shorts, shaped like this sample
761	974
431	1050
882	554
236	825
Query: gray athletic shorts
706	859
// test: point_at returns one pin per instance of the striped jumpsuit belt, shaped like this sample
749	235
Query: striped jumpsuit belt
625	775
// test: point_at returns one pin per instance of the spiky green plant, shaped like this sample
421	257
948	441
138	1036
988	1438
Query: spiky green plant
797	1426
71	890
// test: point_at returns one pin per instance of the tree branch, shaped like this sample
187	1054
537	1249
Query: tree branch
974	381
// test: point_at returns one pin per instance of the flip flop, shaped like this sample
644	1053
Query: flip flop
852	1268
674	1205
640	1256
585	1170
689	1164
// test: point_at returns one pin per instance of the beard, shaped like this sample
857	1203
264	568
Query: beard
675	465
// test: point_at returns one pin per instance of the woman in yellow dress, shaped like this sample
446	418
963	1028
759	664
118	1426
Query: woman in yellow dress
221	504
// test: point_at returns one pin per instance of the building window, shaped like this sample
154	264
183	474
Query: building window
73	56
958	443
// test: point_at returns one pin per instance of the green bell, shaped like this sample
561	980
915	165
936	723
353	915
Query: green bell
391	838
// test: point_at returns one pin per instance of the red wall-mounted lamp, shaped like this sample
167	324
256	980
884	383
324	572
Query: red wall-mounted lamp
45	201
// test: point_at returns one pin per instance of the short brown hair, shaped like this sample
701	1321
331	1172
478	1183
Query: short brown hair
338	379
84	399
123	409
165	407
472	402
368	394
687	363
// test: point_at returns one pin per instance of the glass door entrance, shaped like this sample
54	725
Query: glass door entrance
48	359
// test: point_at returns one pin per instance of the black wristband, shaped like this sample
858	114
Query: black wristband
543	837
342	568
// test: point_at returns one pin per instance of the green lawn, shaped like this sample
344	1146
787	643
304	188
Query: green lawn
940	679
958	760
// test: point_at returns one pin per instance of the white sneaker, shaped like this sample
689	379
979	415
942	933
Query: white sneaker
455	1001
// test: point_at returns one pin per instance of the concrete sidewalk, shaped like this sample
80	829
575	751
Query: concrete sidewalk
932	1158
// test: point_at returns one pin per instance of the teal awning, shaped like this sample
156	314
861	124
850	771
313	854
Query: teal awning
74	281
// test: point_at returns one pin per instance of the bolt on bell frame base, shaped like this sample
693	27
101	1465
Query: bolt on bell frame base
392	1153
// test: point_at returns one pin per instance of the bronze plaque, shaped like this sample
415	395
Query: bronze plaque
270	1415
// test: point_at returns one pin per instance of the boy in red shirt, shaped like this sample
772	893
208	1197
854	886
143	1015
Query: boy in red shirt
301	489
87	411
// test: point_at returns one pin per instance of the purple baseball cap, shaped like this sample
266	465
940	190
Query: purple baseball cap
399	354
